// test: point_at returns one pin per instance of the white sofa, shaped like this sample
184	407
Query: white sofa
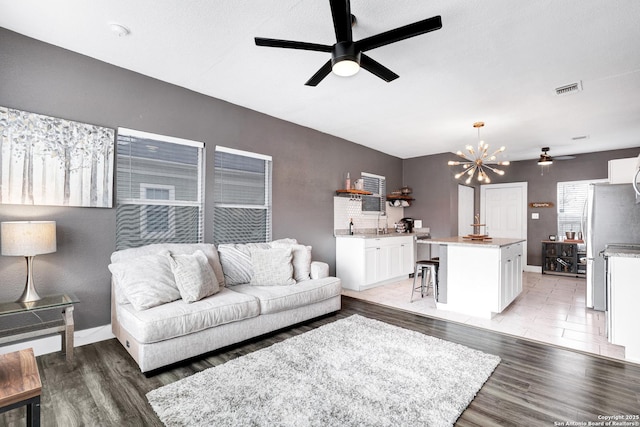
177	330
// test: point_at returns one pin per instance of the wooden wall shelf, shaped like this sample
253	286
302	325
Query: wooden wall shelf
399	197
356	192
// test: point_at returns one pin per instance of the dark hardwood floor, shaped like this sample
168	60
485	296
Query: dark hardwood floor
534	385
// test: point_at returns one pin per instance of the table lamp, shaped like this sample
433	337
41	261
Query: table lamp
28	239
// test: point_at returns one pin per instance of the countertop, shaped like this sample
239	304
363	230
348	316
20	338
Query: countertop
374	235
623	250
495	242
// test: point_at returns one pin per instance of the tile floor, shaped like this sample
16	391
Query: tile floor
550	309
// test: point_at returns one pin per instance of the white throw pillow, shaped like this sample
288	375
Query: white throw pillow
272	267
301	258
193	274
147	281
236	261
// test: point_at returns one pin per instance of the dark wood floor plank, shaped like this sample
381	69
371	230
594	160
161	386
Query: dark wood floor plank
535	384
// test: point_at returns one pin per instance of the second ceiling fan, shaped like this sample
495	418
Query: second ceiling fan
347	55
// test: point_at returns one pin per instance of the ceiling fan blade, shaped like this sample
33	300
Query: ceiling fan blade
400	33
376	68
288	44
341	12
320	74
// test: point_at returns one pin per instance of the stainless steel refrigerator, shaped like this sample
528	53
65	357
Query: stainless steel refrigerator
612	217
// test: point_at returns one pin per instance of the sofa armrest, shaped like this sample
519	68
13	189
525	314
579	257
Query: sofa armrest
319	270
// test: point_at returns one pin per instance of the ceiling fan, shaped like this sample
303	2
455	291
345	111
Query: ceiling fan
545	159
347	55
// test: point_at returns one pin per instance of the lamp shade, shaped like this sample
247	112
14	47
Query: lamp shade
27	238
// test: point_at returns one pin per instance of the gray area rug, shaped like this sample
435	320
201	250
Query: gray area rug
352	372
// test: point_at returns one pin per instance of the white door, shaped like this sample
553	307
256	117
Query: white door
465	210
503	208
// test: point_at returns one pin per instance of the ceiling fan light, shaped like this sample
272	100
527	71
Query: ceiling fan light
345	68
545	160
345	59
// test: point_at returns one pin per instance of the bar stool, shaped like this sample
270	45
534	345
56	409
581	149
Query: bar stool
425	267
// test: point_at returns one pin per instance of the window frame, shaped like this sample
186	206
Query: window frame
561	205
193	196
268	192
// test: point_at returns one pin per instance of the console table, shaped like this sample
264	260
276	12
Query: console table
63	326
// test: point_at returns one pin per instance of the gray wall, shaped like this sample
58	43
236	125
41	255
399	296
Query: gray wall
436	190
308	166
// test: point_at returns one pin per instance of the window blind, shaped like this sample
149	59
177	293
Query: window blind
160	189
242	197
376	184
572	201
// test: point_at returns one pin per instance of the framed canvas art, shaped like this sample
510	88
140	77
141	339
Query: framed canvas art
50	161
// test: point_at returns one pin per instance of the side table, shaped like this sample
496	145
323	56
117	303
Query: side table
63	326
20	384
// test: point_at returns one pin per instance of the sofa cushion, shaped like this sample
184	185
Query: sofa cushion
146	281
194	276
236	261
179	318
175	248
301	258
272	267
274	299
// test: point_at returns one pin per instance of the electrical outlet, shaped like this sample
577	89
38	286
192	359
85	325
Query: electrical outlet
535	215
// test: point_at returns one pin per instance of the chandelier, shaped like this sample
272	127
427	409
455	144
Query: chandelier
477	162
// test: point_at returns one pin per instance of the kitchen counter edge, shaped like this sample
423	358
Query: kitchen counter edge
495	242
374	235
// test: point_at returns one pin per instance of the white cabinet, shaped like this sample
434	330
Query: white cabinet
510	274
624	294
363	263
622	171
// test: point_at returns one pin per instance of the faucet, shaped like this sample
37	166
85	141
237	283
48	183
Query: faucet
378	228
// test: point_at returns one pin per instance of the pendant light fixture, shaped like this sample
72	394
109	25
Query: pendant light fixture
477	162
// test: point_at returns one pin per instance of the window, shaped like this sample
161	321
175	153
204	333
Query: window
572	205
376	203
160	187
157	220
242	197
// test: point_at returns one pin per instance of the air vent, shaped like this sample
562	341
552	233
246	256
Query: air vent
578	138
569	89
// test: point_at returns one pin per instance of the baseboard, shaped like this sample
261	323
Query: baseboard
533	269
53	343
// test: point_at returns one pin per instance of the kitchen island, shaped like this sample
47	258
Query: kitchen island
478	277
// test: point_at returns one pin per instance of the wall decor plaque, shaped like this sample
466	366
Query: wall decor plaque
541	204
45	160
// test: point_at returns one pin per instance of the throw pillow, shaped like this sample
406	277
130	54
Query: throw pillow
193	274
147	281
301	259
287	241
272	267
236	262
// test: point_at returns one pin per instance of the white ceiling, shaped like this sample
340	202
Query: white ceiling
497	61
